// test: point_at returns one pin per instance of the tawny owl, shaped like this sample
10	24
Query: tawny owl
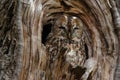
65	48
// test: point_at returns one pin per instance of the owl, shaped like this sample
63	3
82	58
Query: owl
65	49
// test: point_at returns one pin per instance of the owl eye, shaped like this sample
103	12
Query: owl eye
76	28
62	27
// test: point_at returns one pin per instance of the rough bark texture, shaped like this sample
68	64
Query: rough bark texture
10	40
22	53
116	12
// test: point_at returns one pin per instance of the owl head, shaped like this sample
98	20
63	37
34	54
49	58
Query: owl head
68	27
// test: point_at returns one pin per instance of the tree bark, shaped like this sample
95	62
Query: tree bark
10	40
23	55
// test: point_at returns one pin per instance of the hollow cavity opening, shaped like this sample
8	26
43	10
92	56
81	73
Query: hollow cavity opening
45	32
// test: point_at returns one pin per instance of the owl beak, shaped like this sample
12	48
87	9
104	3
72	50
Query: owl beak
69	37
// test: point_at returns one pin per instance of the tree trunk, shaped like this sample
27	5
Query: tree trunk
10	40
25	24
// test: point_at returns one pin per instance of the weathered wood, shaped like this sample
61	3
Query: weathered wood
98	18
116	18
10	40
23	56
33	52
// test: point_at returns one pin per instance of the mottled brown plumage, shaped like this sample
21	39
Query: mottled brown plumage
65	48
